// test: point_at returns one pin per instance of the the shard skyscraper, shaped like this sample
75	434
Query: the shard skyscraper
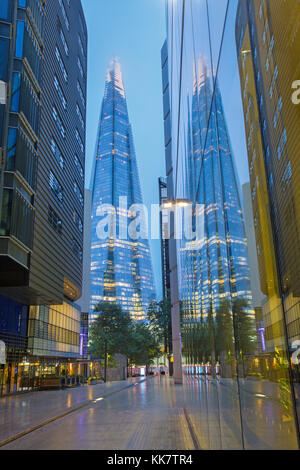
121	266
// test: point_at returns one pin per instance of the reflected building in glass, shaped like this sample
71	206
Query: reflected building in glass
218	263
243	352
268	47
121	266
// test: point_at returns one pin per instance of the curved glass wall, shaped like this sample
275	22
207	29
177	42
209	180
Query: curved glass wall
238	289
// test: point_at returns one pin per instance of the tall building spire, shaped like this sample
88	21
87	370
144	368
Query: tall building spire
114	76
121	267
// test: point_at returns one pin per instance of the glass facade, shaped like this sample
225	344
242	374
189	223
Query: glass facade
234	332
54	330
13	332
42	136
268	44
121	266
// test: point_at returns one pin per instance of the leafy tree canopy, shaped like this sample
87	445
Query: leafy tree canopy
113	331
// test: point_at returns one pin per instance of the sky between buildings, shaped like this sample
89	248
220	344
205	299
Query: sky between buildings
134	31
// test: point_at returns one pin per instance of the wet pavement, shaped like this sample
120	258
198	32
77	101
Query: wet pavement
151	415
19	413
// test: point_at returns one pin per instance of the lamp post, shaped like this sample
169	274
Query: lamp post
172	205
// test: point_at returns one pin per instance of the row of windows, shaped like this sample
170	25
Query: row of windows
277	112
78	166
54	221
81	45
80	67
57	153
58	192
56	187
81	94
282	143
60	92
78	222
63	40
78	193
80	116
77	250
49	332
79	140
58	121
65	16
61	64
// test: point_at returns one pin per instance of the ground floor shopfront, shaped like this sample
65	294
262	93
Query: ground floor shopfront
16	377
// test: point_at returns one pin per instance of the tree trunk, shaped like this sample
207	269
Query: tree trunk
105	363
170	367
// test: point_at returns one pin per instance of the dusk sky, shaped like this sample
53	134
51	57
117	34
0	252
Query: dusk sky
133	31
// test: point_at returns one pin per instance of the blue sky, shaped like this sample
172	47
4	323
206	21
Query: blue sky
134	31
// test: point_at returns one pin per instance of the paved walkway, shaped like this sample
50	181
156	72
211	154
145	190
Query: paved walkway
152	415
18	413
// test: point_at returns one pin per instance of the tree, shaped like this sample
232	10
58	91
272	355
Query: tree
113	331
224	329
110	333
235	332
245	330
160	321
143	346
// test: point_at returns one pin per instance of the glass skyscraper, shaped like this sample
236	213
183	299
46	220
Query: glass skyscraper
121	266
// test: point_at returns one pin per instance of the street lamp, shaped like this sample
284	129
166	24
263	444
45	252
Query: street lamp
175	302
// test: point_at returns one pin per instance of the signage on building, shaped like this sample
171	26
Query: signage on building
2	353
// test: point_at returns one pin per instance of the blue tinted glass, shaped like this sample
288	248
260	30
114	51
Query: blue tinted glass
11	149
4	57
4	30
22	3
13	316
5	9
20	39
15	98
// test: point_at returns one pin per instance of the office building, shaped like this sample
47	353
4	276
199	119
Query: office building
268	45
42	181
257	296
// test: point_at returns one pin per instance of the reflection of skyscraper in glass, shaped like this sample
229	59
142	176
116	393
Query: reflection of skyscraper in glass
121	269
218	268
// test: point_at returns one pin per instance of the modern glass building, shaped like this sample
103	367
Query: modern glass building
206	156
121	266
43	67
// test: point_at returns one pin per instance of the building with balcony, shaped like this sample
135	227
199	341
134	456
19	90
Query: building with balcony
42	139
